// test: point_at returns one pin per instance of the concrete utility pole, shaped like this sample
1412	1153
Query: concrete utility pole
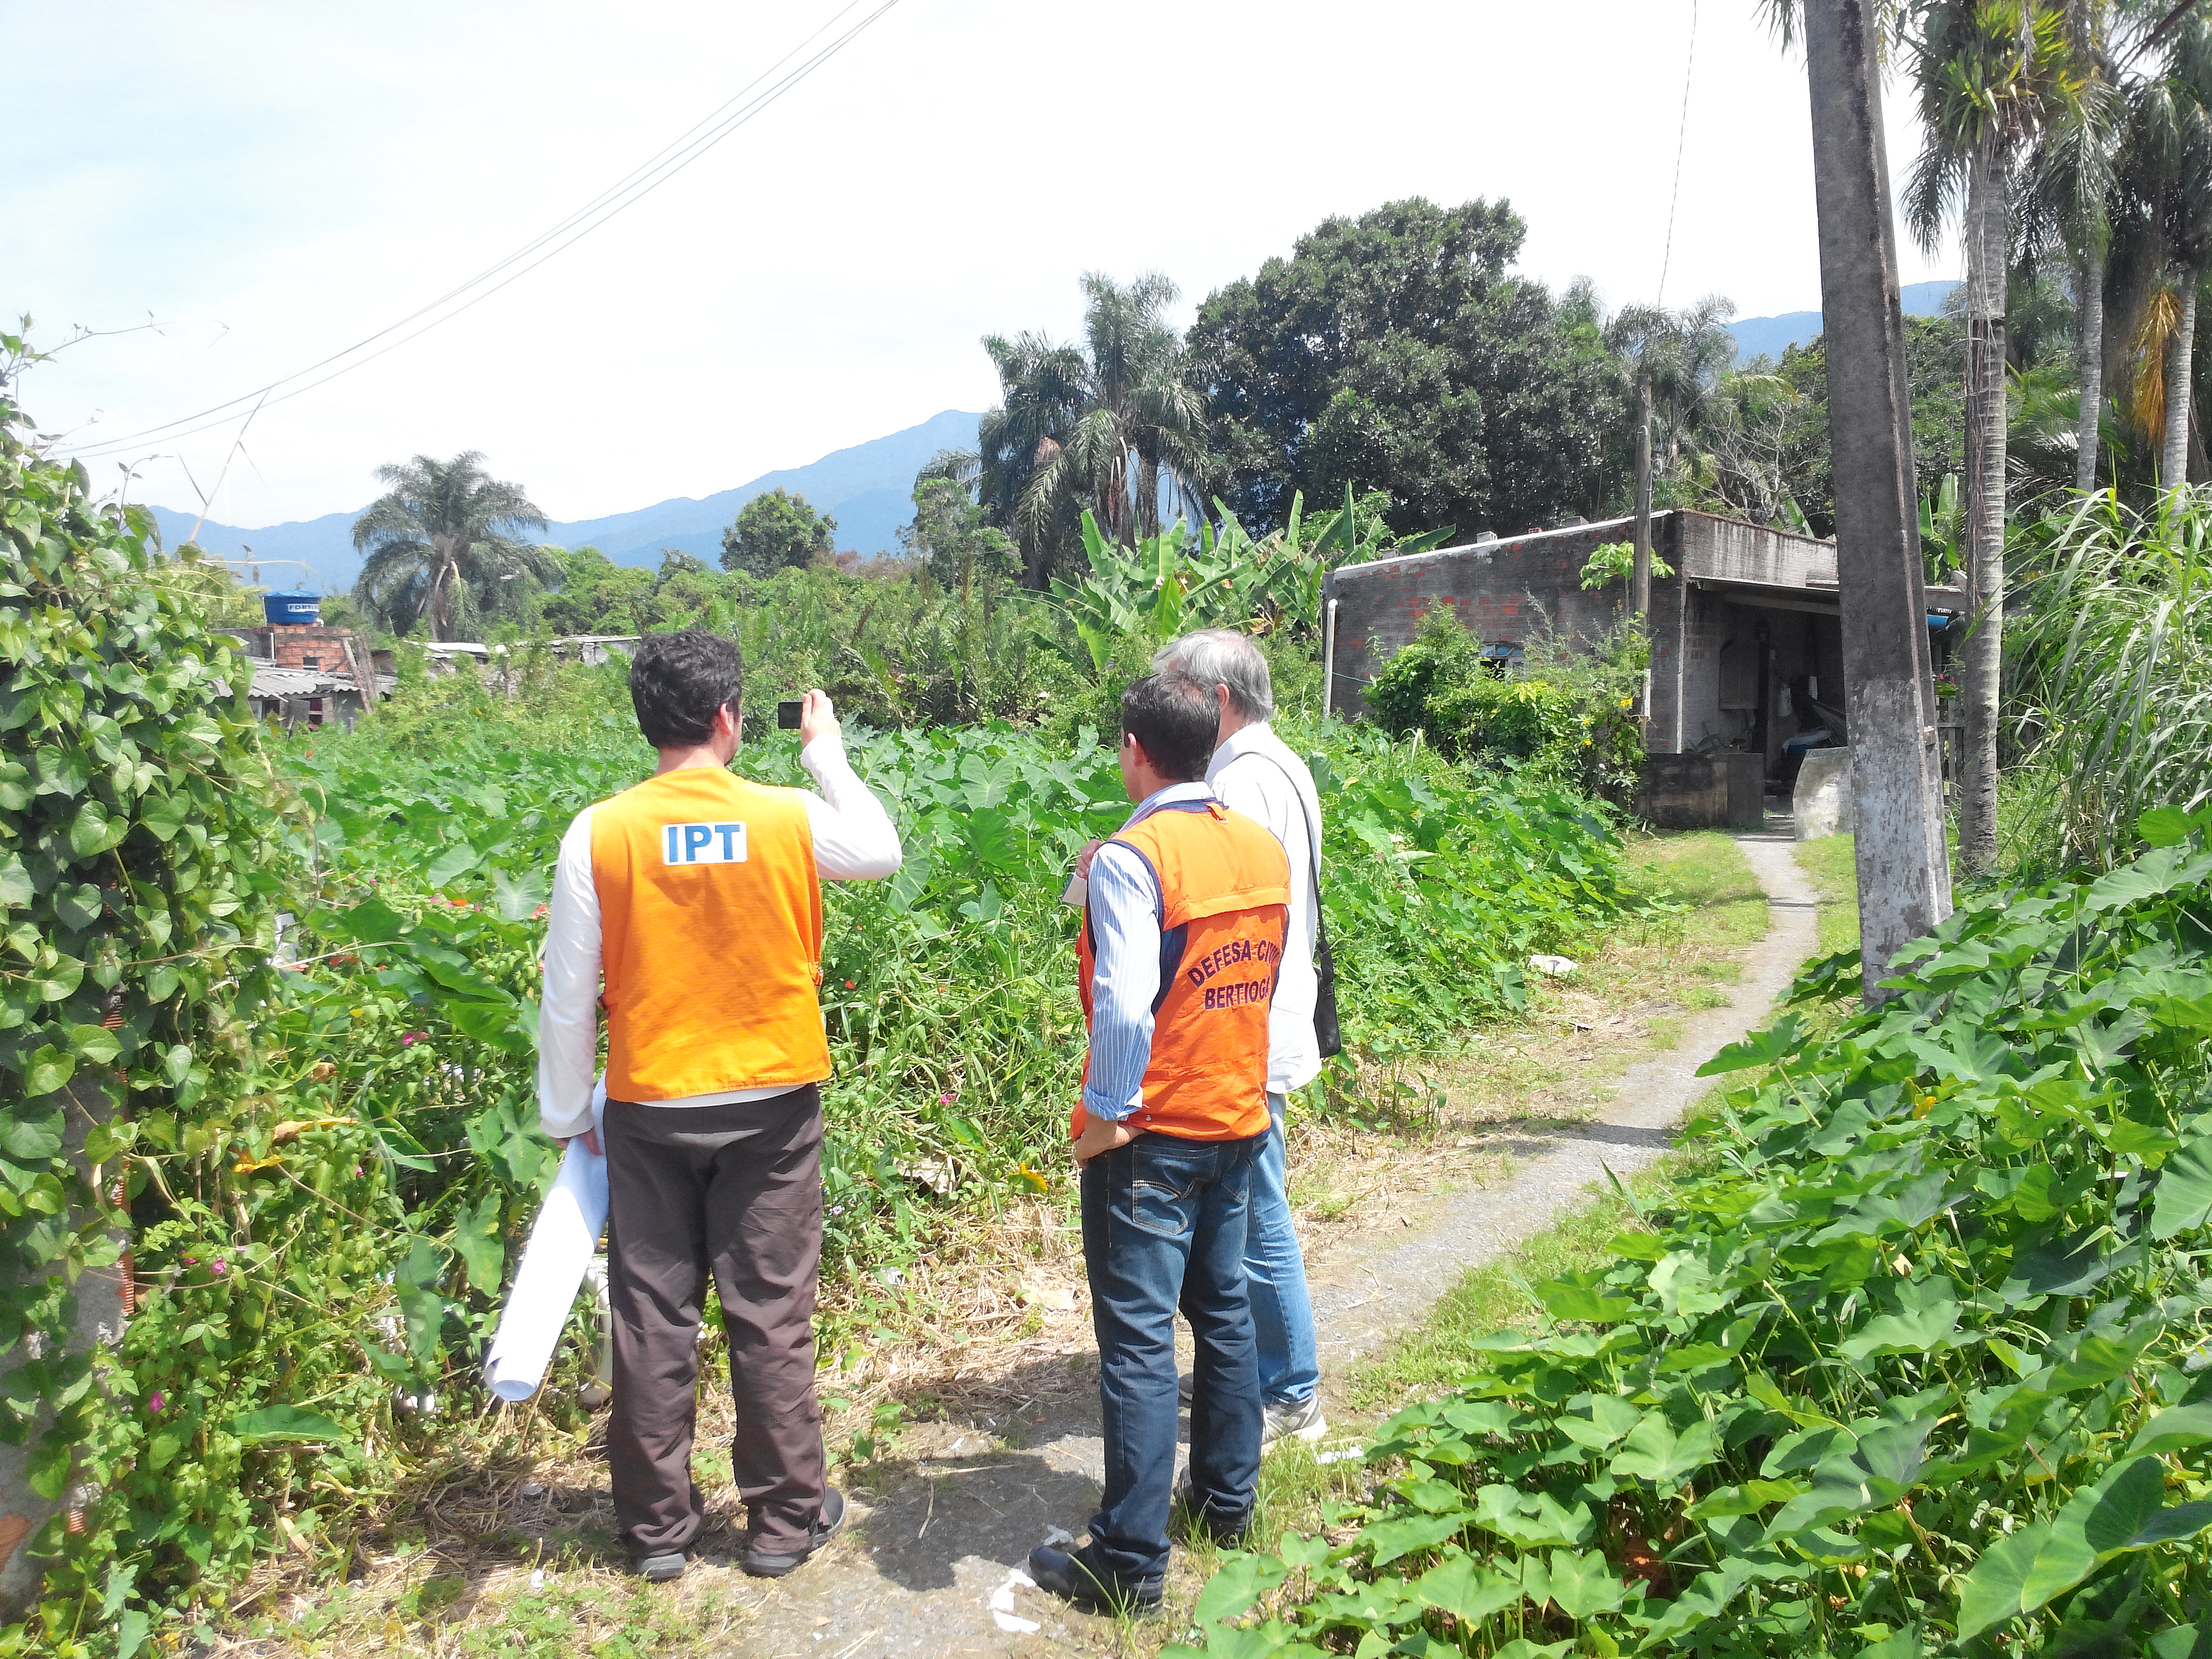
1639	580
1897	785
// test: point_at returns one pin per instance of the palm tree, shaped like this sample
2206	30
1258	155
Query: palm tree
2072	174
1096	426
1991	75
2174	130
440	546
1141	417
1040	398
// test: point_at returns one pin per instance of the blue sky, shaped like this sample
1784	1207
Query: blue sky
270	181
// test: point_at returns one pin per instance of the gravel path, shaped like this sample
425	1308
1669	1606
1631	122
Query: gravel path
928	1566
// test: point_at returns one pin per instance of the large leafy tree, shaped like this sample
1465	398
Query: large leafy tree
442	546
948	533
1394	351
775	531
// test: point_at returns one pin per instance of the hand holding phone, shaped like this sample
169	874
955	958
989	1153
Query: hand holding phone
786	716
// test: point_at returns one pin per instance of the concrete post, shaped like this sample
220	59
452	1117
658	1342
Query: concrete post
1904	867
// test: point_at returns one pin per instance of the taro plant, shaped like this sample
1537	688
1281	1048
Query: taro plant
1919	1366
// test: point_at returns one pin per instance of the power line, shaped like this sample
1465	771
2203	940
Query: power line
1681	138
633	187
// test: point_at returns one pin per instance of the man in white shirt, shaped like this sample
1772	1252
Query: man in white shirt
1255	773
688	907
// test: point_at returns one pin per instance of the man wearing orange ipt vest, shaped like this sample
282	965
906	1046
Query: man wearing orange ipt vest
689	907
1184	917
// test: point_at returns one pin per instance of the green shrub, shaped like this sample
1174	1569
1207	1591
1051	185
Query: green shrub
1567	715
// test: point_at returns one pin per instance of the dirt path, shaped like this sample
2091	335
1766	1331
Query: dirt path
929	1566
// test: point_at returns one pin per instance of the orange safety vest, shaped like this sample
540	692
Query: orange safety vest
1224	911
710	919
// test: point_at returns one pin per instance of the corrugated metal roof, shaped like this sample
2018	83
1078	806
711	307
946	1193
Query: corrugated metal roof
310	682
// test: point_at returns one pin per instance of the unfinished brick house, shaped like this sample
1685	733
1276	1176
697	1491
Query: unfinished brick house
1746	637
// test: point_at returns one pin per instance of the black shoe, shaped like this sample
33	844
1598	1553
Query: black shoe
1069	1575
659	1569
830	1523
1227	1533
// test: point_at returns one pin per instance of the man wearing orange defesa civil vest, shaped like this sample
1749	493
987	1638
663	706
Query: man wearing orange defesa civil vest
1183	935
693	898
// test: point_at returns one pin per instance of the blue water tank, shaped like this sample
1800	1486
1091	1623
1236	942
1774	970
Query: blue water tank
292	609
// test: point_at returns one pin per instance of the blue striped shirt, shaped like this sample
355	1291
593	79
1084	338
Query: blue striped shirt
1125	904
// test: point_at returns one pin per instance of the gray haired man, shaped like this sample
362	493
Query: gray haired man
1255	773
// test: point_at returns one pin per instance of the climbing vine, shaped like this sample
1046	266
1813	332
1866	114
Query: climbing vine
143	843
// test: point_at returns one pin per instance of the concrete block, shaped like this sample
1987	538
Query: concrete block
1682	792
1823	799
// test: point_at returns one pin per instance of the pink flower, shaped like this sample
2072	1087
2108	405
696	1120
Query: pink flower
409	1037
216	1267
191	1262
155	1404
946	1100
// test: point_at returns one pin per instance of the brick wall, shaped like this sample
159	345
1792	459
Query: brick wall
1509	590
290	646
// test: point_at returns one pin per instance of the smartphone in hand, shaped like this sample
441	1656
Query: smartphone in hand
786	716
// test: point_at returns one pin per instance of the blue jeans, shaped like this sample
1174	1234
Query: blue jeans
1282	1312
1162	1226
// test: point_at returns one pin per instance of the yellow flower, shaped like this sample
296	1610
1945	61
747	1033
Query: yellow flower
1626	701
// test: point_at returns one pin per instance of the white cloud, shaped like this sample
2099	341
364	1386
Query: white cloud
273	181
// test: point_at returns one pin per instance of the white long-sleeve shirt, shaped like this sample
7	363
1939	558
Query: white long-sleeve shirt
854	839
1255	773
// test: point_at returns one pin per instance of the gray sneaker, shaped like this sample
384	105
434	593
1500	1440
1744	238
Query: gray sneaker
1299	1419
659	1569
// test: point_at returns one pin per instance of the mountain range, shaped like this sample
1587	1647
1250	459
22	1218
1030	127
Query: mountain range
1766	337
867	489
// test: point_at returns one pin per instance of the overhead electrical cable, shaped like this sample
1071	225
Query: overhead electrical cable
1681	138
633	187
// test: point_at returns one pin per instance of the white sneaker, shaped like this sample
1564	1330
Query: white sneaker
1300	1420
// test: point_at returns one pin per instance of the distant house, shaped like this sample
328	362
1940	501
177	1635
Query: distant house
306	674
1747	637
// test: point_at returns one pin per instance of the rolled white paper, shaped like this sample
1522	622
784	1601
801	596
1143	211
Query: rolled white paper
562	1241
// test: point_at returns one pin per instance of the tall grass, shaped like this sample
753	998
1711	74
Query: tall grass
2113	674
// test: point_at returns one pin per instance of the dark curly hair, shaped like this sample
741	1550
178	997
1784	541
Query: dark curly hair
677	682
1177	719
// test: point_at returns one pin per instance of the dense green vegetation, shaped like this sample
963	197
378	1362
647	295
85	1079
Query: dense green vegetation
328	1164
1567	714
1916	1363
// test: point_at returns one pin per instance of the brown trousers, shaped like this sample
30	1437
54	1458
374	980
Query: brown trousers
735	1190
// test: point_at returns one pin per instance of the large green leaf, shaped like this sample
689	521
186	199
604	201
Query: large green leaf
2182	1197
1654	1452
285	1423
1469	1592
479	1238
1584	1585
2175	1429
1243	1580
1992	1592
451	864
